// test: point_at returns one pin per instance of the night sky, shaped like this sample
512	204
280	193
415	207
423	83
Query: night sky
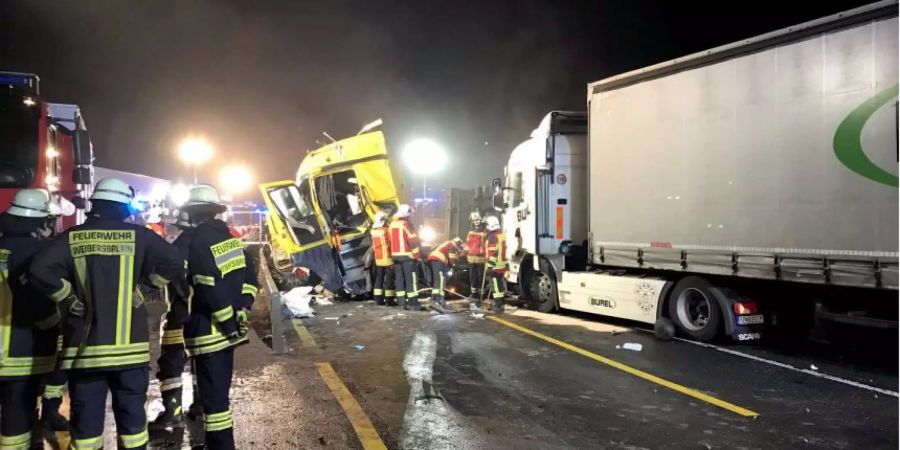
263	79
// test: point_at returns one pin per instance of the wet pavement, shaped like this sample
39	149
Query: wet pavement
424	380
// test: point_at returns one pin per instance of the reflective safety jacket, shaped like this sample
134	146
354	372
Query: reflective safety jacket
446	253
101	262
28	320
496	251
224	279
475	243
403	240
381	247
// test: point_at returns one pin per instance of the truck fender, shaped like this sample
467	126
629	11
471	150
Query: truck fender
557	263
726	304
662	301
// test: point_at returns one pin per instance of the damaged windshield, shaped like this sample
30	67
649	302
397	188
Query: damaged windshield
339	197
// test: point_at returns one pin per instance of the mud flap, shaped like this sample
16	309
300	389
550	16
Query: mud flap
726	299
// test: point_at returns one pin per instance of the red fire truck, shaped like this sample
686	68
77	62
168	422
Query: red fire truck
43	146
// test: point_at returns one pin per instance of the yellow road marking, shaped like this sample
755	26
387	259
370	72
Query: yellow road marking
305	338
366	432
631	370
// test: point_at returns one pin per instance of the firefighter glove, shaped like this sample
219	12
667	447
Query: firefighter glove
76	306
243	322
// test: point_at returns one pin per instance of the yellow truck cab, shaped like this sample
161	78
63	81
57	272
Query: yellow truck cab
320	221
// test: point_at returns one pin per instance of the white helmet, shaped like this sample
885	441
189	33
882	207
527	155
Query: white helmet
474	217
201	195
492	223
183	220
403	211
380	219
30	203
114	190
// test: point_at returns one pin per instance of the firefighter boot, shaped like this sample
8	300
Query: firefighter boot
413	304
50	416
498	305
171	417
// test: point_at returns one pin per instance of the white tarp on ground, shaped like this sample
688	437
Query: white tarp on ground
297	301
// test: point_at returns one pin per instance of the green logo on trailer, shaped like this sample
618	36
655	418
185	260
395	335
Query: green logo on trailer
848	139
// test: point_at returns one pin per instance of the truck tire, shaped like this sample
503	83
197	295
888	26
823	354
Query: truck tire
695	310
541	287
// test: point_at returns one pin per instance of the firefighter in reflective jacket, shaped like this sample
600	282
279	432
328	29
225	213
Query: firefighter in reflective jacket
28	320
441	259
92	271
475	257
223	295
382	270
405	254
172	356
495	253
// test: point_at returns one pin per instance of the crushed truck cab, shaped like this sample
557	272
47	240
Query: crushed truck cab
320	221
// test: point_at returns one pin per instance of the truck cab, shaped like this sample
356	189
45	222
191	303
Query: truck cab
320	220
43	146
545	203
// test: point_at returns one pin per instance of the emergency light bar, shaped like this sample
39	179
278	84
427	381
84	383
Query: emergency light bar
20	79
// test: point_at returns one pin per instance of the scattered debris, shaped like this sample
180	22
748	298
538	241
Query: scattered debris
331	318
477	315
393	316
813	367
633	346
359	347
297	302
361	306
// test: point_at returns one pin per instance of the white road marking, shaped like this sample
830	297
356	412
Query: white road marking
429	422
782	365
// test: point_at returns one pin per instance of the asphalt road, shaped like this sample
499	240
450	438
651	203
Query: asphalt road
363	376
455	381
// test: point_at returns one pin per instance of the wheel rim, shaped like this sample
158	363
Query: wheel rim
541	287
693	308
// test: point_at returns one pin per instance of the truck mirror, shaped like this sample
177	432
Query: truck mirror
83	154
81	175
496	184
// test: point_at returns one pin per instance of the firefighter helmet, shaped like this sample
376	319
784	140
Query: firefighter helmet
114	190
380	219
203	195
183	220
492	223
474	217
30	203
403	211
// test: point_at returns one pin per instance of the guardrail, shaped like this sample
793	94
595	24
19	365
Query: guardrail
278	344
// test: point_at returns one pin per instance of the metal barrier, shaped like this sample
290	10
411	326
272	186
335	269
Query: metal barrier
278	344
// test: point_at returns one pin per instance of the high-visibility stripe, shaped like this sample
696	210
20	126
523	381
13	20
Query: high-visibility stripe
105	361
389	293
104	350
170	384
223	314
497	293
17	442
6	305
441	285
400	293
205	280
134	440
249	289
172	337
415	287
53	391
94	443
123	305
51	321
218	421
62	292
377	292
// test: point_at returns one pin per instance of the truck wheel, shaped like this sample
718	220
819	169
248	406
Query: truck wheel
695	310
542	294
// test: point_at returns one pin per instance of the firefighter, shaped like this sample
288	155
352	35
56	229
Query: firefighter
495	252
172	356
29	323
405	254
223	294
91	271
382	270
475	256
441	259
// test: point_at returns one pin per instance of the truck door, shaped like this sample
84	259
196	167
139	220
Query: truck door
292	221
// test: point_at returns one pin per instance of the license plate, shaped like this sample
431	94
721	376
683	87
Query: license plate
750	320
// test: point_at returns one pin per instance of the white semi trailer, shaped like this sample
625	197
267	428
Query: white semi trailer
752	182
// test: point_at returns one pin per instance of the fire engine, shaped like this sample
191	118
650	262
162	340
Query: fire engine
43	146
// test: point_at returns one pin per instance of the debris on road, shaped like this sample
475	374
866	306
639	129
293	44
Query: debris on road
297	302
477	315
813	367
633	346
393	316
331	318
359	347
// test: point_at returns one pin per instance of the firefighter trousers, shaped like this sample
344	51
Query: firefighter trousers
497	284
172	359
476	273
214	372
18	401
439	271
383	283
406	281
52	393
88	390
